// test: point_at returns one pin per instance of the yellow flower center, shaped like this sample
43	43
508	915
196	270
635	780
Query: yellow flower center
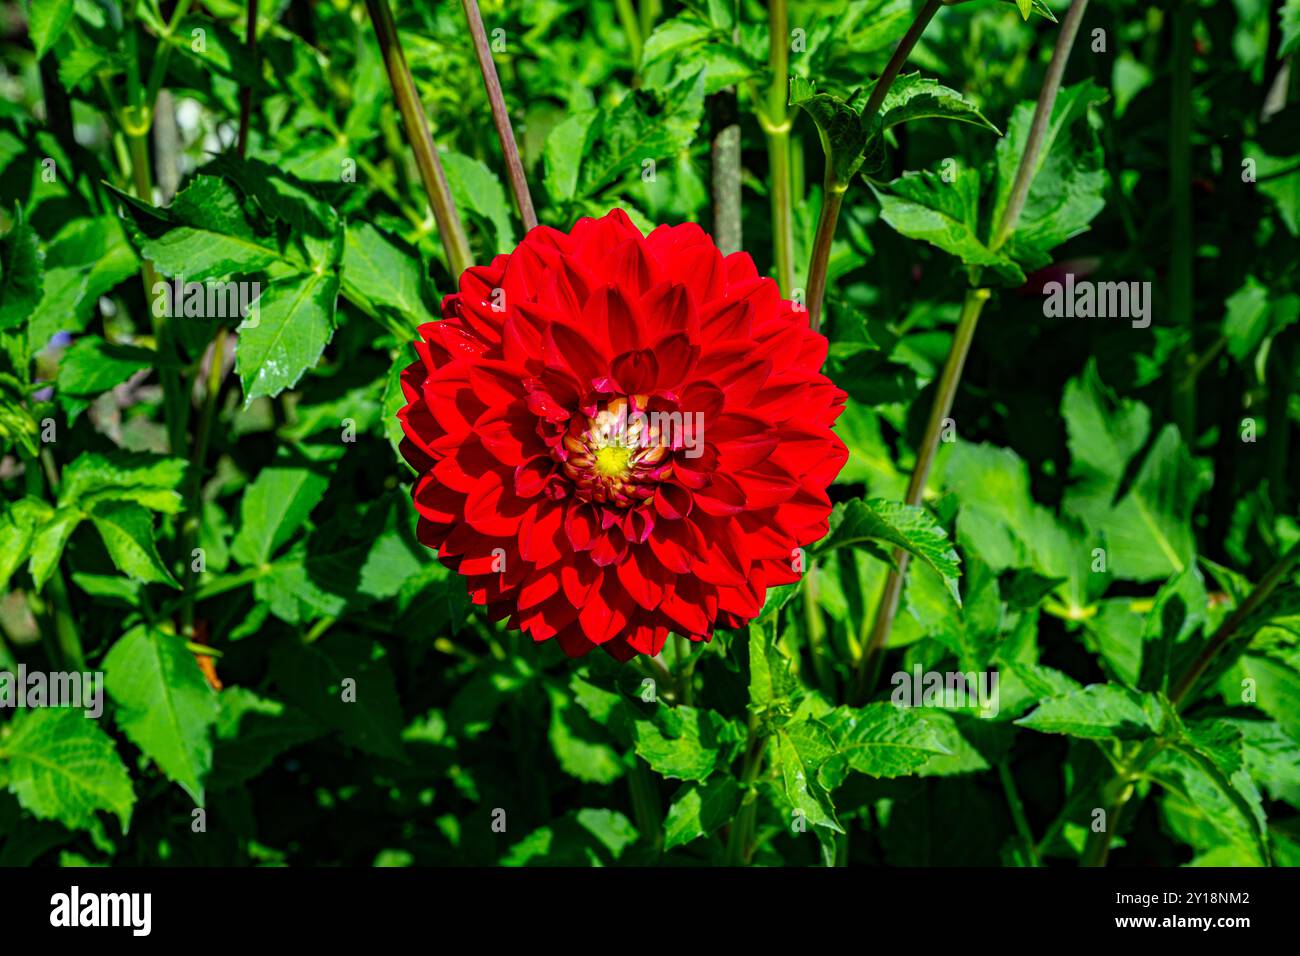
612	461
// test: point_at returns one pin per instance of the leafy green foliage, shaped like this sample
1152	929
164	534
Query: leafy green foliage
207	506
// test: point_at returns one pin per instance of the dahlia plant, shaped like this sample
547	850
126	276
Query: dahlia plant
366	365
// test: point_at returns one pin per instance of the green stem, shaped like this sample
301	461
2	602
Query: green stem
192	522
775	120
645	804
1038	126
1120	789
66	640
1018	812
901	53
886	610
246	92
450	228
500	116
832	199
632	27
743	824
1180	226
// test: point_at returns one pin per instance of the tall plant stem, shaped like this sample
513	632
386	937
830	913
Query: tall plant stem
1029	159
901	53
645	803
725	172
175	405
246	92
742	825
63	626
627	15
1119	790
832	199
833	190
1180	226
971	308
501	118
775	120
887	609
450	229
192	523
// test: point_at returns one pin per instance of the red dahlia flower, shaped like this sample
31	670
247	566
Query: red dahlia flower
620	435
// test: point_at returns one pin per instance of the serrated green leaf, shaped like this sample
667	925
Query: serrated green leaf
165	705
880	740
127	531
700	810
273	507
1097	712
46	21
916	97
292	322
61	766
868	523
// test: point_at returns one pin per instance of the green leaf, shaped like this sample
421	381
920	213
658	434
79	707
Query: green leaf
643	126
916	97
165	705
251	731
49	542
1148	530
799	750
61	766
685	743
700	810
922	205
880	740
871	523
770	679
476	189
1069	180
566	145
381	272
580	745
21	272
291	324
91	365
127	531
87	259
150	480
17	532
46	21
273	507
1097	712
339	683
844	131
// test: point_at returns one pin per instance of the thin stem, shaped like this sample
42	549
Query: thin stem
645	804
742	826
1180	200
450	228
901	53
775	120
832	199
943	398
1028	167
192	523
175	406
1117	793
1230	627
66	640
500	117
1018	812
781	198
725	168
833	190
632	27
246	92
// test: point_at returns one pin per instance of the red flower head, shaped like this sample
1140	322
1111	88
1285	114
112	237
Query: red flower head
620	435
